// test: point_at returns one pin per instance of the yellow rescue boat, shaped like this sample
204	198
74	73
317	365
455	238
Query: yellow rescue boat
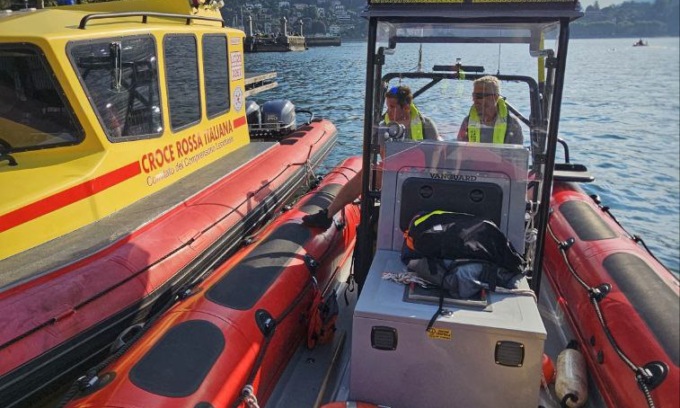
128	170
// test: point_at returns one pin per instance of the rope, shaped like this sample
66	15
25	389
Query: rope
309	168
530	235
406	278
520	292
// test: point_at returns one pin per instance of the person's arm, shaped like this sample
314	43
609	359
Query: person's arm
430	130
462	132
514	133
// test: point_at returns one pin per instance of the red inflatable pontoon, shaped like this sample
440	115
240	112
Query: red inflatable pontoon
245	320
616	297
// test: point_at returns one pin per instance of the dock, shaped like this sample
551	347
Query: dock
280	43
259	82
325	41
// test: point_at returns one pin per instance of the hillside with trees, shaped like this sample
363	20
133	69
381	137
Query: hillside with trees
629	19
342	17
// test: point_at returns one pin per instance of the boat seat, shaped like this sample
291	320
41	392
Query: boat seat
482	199
488	181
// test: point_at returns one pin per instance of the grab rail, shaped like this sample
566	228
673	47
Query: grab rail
145	15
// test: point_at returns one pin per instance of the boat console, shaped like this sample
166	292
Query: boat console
473	346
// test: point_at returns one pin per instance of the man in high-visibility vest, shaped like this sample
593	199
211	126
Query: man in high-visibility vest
400	109
489	121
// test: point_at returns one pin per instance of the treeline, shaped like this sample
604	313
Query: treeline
629	19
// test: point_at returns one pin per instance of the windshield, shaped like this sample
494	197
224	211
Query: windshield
455	85
32	112
440	62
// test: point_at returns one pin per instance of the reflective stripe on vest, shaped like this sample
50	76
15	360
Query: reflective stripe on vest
474	129
416	130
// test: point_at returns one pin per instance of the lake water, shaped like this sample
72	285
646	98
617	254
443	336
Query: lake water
620	115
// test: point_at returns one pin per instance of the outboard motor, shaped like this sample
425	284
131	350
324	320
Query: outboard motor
253	114
277	119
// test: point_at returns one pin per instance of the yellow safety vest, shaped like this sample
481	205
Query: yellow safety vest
474	128
416	123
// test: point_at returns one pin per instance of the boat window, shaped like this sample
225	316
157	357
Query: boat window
121	79
216	74
440	62
181	71
33	112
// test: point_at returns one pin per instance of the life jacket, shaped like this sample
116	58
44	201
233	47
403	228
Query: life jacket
474	127
416	130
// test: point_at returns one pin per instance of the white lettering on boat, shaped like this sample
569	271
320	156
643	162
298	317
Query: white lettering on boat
453	177
151	180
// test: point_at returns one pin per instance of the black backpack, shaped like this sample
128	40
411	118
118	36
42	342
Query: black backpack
452	242
458	236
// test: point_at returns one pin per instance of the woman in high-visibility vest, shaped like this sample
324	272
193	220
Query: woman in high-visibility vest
488	121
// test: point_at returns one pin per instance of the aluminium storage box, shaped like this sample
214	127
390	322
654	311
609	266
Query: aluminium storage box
475	357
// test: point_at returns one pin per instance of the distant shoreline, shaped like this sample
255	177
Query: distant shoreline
572	36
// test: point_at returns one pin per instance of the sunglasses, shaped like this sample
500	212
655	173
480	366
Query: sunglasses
481	95
394	90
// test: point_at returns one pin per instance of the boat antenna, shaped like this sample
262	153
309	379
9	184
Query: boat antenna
419	68
498	69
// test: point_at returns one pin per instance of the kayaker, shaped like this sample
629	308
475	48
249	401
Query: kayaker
400	109
489	120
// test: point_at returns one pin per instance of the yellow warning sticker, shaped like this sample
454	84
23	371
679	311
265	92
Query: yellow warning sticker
441	334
